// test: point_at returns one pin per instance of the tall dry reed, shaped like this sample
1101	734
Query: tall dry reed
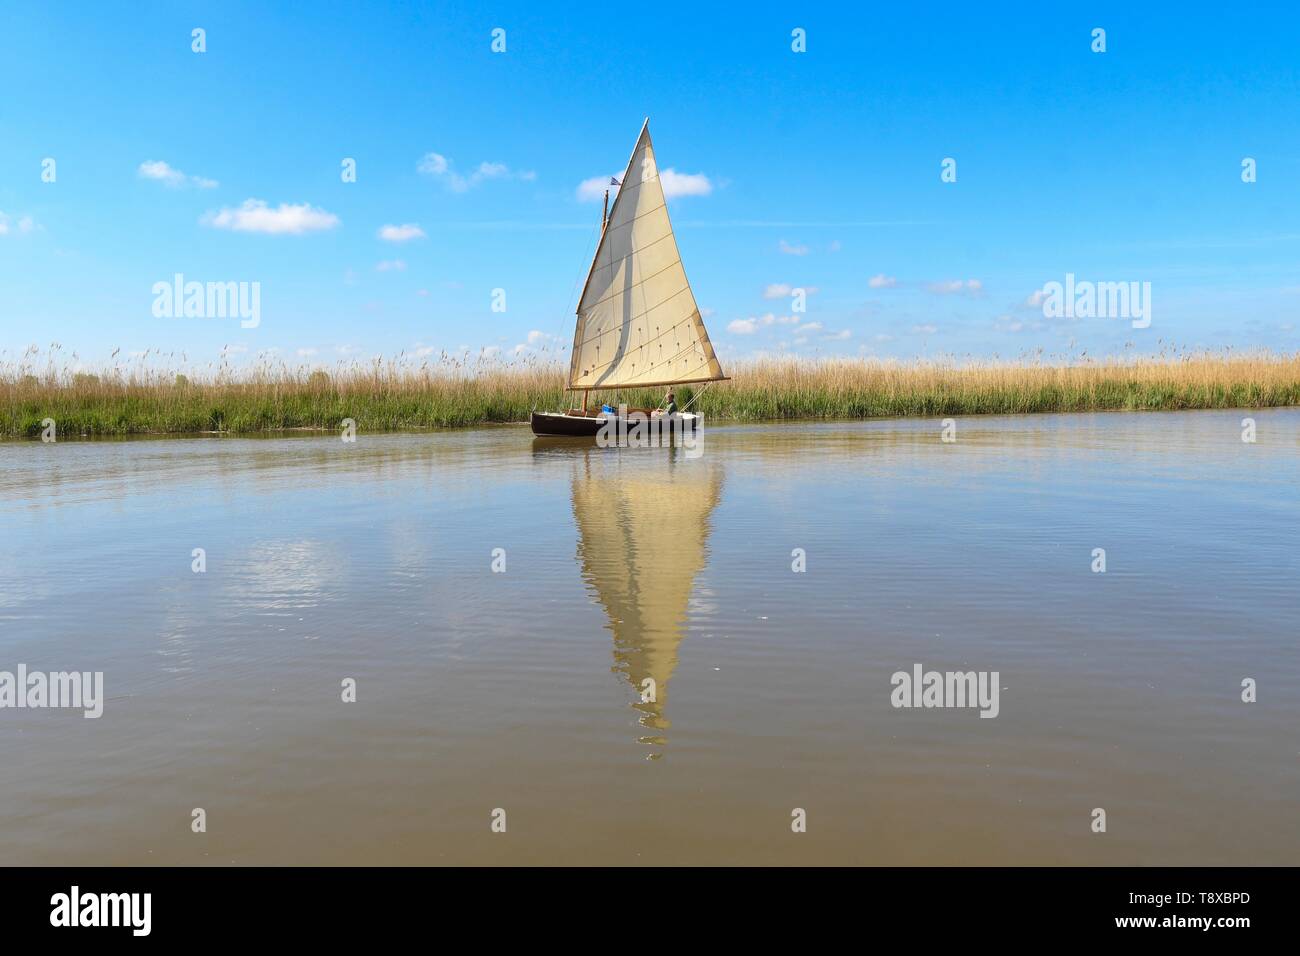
165	394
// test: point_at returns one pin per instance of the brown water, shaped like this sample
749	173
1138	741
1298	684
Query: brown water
521	690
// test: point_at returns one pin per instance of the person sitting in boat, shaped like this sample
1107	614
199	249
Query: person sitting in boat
671	407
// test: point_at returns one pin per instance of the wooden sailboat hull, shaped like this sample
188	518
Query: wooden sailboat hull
585	426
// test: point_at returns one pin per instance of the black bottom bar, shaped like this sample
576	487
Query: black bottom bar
336	905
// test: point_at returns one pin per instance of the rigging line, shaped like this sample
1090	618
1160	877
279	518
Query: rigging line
574	288
653	364
642	317
613	263
639	216
695	395
624	290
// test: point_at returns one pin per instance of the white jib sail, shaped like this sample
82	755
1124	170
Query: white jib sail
638	324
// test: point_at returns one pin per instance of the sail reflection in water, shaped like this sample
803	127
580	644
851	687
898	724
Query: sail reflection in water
643	526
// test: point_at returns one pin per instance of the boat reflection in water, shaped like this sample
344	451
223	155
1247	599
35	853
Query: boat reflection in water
643	526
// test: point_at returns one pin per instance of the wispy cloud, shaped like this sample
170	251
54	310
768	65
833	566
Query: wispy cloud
19	226
925	329
882	281
391	265
1007	323
792	250
674	184
593	189
779	290
403	233
286	219
752	324
440	167
166	174
957	287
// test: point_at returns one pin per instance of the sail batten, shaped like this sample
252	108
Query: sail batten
638	322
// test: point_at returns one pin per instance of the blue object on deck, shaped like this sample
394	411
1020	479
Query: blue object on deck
607	409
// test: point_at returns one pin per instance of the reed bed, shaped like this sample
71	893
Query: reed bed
164	394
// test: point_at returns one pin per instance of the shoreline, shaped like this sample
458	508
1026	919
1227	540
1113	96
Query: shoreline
395	397
317	431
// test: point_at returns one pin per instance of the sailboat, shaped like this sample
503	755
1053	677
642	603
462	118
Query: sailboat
638	324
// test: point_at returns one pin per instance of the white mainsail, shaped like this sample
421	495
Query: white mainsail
638	324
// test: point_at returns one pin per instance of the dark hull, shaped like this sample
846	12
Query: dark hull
578	426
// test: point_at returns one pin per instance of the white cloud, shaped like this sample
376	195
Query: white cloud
537	337
490	351
307	353
925	329
391	265
835	246
752	324
440	167
164	173
790	250
1035	300
779	290
684	184
841	335
403	233
256	216
882	281
957	286
434	164
593	189
1007	323
674	184
21	225
424	351
807	327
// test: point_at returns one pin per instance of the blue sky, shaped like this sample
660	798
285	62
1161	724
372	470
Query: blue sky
818	170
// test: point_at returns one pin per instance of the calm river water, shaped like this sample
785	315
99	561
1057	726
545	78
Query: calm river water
520	688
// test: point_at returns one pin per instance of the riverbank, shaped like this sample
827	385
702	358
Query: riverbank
396	395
